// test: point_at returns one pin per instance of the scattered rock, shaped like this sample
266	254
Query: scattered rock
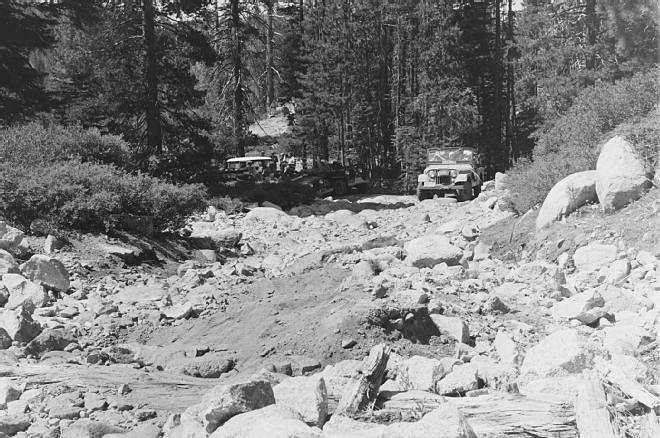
563	352
594	256
50	340
208	366
226	401
19	324
461	379
420	373
428	251
271	421
53	244
10	237
306	395
452	326
21	291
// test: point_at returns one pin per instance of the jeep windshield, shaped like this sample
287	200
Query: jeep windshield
451	156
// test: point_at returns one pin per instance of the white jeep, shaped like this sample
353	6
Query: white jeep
450	171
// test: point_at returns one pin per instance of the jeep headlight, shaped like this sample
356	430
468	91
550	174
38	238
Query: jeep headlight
453	173
432	173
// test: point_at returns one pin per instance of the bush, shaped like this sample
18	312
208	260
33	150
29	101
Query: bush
88	196
572	142
34	143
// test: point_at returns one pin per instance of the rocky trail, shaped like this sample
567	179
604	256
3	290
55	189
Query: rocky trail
371	316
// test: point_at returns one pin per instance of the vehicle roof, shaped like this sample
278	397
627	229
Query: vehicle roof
245	159
459	166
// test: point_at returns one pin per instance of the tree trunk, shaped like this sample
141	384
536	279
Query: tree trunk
238	116
498	152
270	87
590	12
154	133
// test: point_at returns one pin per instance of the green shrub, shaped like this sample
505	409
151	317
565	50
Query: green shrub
88	196
35	143
572	142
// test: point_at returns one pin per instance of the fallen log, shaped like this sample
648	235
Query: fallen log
593	418
493	415
362	390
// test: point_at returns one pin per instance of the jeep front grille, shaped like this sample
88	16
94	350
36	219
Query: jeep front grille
443	179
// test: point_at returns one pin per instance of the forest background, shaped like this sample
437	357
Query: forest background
158	93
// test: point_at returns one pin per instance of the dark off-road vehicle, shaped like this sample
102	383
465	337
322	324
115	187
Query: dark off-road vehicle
450	171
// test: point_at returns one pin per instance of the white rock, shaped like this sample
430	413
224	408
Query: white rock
338	375
22	291
567	196
7	263
507	349
452	326
428	251
646	258
10	237
461	379
578	305
268	215
19	324
563	352
594	256
501	180
179	311
421	373
619	269
306	395
621	177
226	401
271	421
624	338
9	392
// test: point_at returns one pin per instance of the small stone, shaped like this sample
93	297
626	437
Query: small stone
145	414
94	402
348	343
452	326
123	389
64	412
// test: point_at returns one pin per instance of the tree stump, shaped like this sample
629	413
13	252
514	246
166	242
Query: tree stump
359	392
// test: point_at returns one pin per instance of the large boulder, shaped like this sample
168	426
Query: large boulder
48	271
566	196
207	235
268	215
306	395
271	421
428	251
621	176
226	401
